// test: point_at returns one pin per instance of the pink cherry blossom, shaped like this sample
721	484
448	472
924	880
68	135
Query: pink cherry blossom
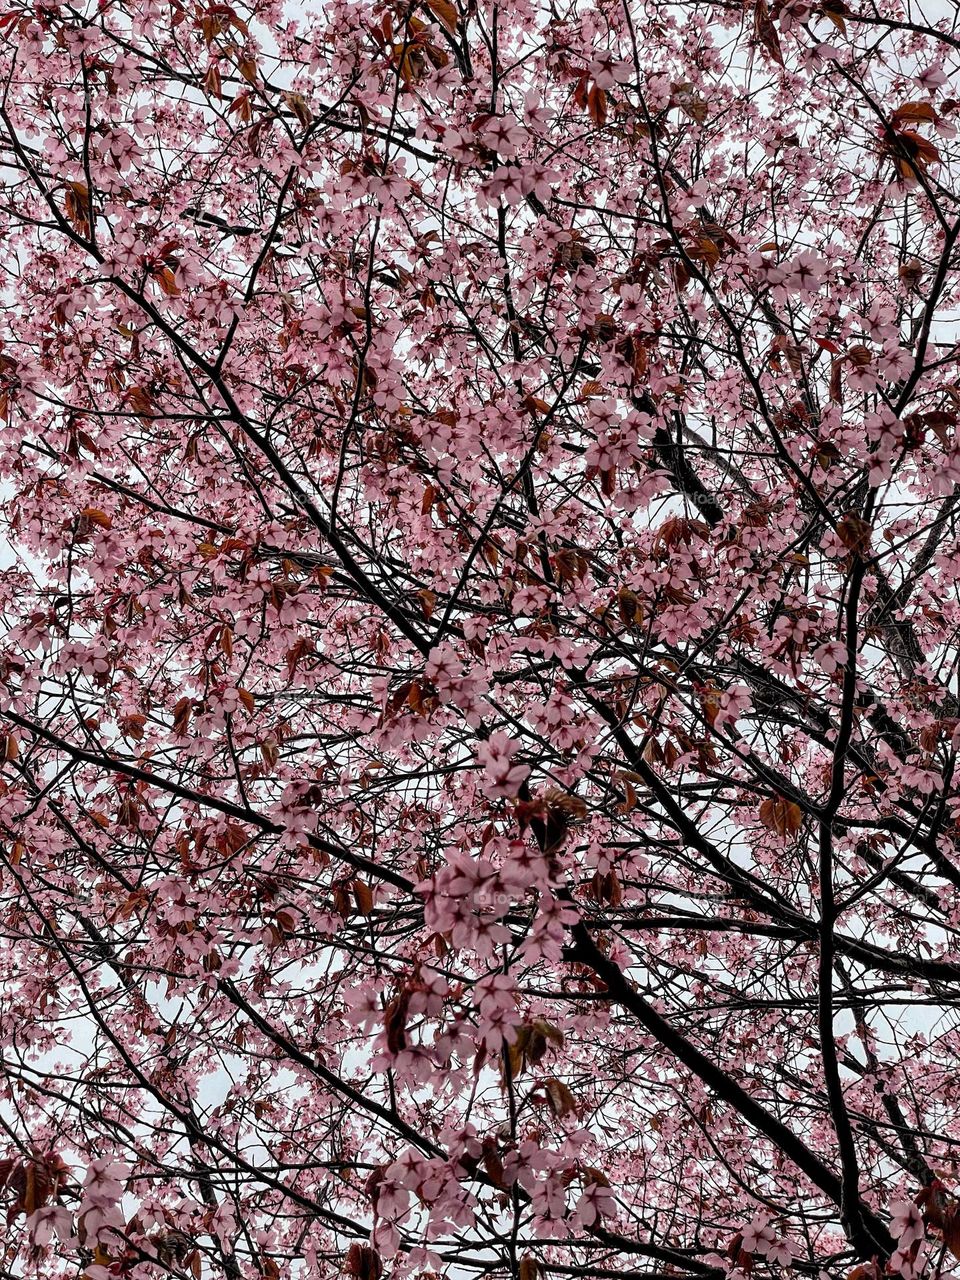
906	1223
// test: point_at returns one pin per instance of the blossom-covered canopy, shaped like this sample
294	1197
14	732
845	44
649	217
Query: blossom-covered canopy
479	694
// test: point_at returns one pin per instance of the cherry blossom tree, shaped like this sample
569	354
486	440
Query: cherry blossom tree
479	693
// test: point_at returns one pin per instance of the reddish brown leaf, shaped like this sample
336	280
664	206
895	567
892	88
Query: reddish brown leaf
766	32
597	106
299	106
854	532
915	113
493	1164
561	1101
363	897
781	815
395	1022
363	1262
445	13
97	517
835	10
